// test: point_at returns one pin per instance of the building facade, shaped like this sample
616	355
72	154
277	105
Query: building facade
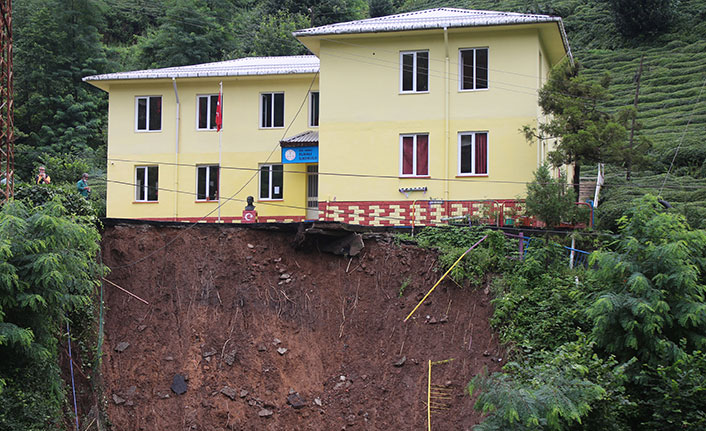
400	120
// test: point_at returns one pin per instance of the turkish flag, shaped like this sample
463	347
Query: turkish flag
219	111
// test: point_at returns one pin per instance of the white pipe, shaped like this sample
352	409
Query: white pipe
599	183
176	153
446	116
220	152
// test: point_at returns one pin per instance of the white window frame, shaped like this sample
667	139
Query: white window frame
270	185
209	120
208	175
414	72
147	114
473	154
262	119
311	108
414	136
146	183
475	65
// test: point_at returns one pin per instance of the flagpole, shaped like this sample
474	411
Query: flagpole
220	155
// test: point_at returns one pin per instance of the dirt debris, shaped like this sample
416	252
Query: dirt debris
220	295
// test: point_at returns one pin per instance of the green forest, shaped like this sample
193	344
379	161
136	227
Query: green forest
61	122
616	345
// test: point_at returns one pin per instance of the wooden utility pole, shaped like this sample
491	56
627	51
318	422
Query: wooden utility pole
628	159
7	123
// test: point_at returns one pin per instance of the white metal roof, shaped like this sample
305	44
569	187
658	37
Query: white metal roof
303	138
248	66
428	19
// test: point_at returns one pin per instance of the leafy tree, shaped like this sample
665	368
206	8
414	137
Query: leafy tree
274	35
674	395
539	306
333	11
555	390
652	304
188	33
548	198
47	269
583	133
381	8
56	44
642	17
322	12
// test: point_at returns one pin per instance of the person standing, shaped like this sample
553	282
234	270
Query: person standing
82	185
42	177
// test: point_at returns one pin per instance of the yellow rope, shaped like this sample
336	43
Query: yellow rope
429	398
444	276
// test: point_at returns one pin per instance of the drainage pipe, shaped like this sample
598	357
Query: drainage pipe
176	153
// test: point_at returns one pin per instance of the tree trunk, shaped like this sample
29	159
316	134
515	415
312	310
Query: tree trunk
577	179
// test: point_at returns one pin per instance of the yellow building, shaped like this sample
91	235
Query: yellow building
420	121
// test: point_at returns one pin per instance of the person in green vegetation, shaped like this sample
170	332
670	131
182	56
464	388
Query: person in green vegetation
42	177
82	186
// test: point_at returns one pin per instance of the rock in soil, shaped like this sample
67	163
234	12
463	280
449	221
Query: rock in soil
178	384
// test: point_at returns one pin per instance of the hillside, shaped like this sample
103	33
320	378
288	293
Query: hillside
254	321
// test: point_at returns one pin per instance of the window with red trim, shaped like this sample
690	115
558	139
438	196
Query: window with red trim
414	155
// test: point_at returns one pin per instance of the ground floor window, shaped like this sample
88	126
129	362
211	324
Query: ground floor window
473	153
271	181
207	183
146	183
414	155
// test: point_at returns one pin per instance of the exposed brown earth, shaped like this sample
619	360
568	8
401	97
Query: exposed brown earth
273	337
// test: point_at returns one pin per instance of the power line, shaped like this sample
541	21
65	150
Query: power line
306	97
388	177
681	139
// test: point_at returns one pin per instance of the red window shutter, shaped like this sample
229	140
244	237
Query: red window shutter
422	155
407	155
481	153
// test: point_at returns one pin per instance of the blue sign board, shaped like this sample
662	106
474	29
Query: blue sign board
300	154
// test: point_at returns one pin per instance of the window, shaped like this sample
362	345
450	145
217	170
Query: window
148	113
271	110
473	69
314	109
414	68
146	183
473	153
271	181
414	155
207	183
206	112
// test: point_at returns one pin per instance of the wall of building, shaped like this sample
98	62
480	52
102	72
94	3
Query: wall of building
244	145
365	114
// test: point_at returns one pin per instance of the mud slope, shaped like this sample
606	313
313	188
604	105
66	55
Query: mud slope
223	294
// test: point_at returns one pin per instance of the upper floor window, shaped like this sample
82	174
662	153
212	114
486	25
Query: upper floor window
207	183
473	153
473	68
146	183
148	113
206	112
314	109
414	71
271	182
414	155
271	110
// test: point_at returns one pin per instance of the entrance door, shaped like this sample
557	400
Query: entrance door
312	192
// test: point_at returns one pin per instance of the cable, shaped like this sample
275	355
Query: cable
681	139
306	97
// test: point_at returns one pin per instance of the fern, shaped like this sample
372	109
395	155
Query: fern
653	287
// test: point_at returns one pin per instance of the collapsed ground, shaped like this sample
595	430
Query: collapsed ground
271	332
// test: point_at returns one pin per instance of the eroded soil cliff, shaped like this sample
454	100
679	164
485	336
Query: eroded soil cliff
270	336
